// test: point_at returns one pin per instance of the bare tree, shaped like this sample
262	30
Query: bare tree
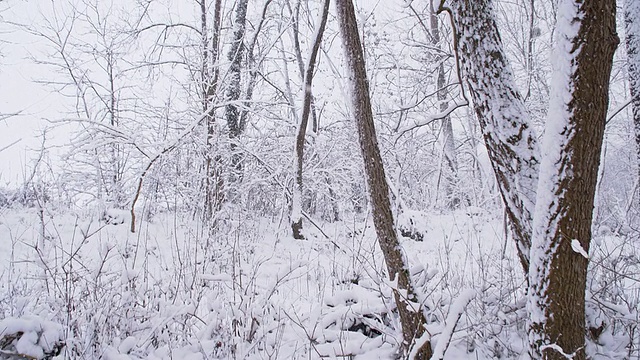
446	129
411	317
95	78
234	88
296	215
210	75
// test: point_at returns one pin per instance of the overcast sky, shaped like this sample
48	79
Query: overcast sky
20	92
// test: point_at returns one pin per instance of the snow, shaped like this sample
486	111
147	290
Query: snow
296	290
455	312
177	289
559	350
296	207
577	247
34	336
218	277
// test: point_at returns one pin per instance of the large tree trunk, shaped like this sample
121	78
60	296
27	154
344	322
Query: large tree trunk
411	317
632	29
511	143
585	42
296	213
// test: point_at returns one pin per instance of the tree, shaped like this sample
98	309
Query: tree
95	76
234	88
296	216
560	230
446	130
210	76
632	29
411	317
511	143
585	42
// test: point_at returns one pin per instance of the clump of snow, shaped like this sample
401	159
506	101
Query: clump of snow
31	337
577	248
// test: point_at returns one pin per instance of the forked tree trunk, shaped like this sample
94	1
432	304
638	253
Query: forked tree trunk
585	42
411	317
560	230
296	213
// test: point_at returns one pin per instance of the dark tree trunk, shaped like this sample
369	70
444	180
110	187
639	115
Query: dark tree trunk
511	143
411	317
234	92
568	176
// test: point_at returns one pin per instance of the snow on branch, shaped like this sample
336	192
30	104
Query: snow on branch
431	118
455	312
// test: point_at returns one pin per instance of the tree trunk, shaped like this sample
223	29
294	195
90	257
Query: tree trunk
511	143
449	157
585	42
233	111
411	316
295	24
296	212
213	176
632	29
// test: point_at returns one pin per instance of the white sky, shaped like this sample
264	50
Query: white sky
19	92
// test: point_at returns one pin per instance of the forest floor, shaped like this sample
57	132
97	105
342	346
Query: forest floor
250	291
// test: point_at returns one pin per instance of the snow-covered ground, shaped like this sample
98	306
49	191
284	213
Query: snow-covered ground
250	291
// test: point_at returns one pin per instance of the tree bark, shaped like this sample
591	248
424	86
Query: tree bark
585	42
411	316
504	121
632	29
233	111
213	178
296	214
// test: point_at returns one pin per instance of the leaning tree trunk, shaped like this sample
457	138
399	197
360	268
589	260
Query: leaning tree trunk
411	317
296	212
510	140
632	29
585	42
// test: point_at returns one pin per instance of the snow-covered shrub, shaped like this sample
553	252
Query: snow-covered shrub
613	301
